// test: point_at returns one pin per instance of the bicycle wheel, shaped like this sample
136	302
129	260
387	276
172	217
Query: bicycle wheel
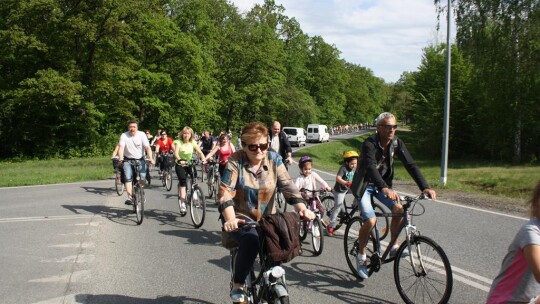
350	245
425	276
303	230
328	204
168	179
197	207
281	204
216	187
118	185
317	239
210	183
383	223
138	204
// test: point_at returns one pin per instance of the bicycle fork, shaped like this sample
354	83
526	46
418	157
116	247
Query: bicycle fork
275	281
418	266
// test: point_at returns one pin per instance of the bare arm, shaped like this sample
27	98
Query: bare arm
532	255
209	155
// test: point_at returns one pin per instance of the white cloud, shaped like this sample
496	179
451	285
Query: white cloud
386	36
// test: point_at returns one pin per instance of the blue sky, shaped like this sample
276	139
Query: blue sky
386	36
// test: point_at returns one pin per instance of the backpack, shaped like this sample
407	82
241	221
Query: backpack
281	236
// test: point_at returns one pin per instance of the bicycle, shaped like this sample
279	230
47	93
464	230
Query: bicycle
212	179
118	184
426	274
279	201
166	174
314	226
194	195
345	216
137	195
266	280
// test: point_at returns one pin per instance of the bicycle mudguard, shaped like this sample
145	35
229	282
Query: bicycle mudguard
280	290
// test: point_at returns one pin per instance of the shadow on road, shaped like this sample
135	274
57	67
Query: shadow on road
196	236
121	299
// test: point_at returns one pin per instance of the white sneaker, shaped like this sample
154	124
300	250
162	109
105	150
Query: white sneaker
183	207
362	267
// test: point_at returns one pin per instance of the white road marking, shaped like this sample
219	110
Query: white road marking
73	277
74	245
45	218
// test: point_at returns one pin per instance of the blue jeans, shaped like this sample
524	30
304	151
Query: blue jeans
366	209
128	170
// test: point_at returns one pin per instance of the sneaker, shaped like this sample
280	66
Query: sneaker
238	296
330	231
183	207
361	266
128	201
394	250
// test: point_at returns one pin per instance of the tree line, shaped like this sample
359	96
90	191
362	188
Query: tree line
75	71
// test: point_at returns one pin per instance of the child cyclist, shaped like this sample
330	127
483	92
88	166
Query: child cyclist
309	179
344	178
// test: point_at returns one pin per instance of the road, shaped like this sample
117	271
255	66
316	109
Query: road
78	243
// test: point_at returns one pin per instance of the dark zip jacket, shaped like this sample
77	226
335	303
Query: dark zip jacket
374	161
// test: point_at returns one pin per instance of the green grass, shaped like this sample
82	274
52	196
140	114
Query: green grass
467	176
41	172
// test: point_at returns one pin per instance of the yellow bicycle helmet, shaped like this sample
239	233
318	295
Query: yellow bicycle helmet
350	154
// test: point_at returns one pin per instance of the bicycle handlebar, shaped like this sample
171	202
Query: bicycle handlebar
320	191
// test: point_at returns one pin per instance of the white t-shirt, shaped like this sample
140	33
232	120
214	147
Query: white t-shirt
275	143
134	145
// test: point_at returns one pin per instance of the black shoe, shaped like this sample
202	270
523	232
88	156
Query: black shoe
128	202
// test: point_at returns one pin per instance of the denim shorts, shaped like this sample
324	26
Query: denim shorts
128	170
366	209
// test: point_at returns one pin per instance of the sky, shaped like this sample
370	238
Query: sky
386	36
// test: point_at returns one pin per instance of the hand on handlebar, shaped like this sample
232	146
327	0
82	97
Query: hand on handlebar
430	193
391	194
232	224
348	184
307	214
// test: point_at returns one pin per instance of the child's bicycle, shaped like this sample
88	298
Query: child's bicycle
315	227
266	281
347	213
421	275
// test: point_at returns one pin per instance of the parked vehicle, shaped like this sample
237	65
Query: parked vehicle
317	133
296	136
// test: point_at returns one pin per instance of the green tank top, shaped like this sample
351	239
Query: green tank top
185	150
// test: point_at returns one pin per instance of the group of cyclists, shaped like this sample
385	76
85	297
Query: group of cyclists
251	175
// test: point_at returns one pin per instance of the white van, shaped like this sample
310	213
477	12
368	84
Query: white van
317	133
296	136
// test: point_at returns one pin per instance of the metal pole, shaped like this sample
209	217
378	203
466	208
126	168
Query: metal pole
446	124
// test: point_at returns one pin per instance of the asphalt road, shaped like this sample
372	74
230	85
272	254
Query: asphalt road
78	243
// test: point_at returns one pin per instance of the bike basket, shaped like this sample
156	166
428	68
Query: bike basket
169	160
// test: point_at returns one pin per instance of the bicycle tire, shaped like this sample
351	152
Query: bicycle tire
284	300
317	237
168	179
303	231
216	187
197	206
138	204
280	200
328	203
210	183
436	272
350	246
118	185
383	223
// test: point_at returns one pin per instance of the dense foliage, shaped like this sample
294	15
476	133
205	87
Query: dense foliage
74	72
495	103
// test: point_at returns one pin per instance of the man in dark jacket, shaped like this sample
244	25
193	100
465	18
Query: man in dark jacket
280	143
375	175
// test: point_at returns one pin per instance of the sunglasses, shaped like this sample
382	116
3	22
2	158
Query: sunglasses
389	127
254	148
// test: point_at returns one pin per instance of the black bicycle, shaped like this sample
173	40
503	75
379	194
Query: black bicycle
194	195
266	281
346	215
212	178
137	195
422	271
118	183
166	174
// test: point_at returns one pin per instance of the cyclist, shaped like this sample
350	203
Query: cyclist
132	145
163	146
280	143
309	179
246	192
183	149
224	150
374	177
344	178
